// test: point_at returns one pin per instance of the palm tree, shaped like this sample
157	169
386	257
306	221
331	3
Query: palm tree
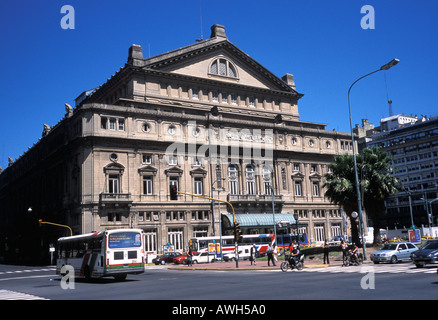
341	188
376	185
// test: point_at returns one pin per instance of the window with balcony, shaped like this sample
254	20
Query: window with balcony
267	180
113	183
233	179
250	180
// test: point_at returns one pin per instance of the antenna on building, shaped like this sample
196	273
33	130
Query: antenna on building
390	108
200	18
387	97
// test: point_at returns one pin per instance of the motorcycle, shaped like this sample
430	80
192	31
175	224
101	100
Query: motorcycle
351	260
299	264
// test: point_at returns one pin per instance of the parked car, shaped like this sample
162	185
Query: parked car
394	252
428	254
166	258
182	259
204	257
243	255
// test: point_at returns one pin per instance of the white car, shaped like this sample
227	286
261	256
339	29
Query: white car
204	257
394	252
243	255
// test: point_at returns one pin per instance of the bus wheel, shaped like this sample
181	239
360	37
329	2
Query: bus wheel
87	274
120	277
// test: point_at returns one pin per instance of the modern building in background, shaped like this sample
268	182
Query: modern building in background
206	118
412	142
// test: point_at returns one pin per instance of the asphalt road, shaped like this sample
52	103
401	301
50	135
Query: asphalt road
369	282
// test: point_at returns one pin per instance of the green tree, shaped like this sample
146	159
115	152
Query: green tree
376	185
341	188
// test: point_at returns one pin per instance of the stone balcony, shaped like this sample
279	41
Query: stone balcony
261	199
115	199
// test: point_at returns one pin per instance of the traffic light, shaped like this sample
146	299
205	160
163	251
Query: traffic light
40	222
237	232
173	193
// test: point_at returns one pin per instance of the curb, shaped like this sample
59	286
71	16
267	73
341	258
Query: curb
242	268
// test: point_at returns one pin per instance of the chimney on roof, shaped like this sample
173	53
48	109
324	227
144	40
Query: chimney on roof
135	54
218	30
289	79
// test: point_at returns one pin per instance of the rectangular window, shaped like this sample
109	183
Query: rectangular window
114	217
250	186
173	160
150	240
298	189
113	186
233	187
198	186
146	159
268	189
103	123
147	185
121	124
175	237
319	232
112	124
315	189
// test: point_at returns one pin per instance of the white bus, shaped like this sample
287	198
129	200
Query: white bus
211	244
114	253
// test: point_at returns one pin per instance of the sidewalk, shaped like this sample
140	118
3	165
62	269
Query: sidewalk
246	265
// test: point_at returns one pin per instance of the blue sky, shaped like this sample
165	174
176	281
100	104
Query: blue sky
321	42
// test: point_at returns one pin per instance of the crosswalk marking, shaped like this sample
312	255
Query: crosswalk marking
13	295
27	270
407	268
388	268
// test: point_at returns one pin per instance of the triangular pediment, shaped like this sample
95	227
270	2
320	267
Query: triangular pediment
147	170
218	60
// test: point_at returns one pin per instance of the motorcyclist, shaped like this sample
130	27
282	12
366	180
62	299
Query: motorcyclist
355	251
294	250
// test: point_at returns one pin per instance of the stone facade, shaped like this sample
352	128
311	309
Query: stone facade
207	118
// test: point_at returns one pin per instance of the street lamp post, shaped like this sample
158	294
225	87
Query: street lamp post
273	214
359	201
296	225
220	217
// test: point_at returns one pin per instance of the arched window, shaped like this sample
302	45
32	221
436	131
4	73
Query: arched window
250	180
223	67
233	179
267	179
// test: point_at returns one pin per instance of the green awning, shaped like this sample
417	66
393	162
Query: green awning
259	220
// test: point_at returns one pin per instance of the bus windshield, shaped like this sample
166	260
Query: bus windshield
124	240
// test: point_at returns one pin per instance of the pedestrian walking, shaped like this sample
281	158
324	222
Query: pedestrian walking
326	252
343	249
275	253
269	251
190	256
253	254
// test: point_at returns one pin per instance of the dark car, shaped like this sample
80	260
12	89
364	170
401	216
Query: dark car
166	258
428	254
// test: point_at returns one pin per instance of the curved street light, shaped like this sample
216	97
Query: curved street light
387	66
